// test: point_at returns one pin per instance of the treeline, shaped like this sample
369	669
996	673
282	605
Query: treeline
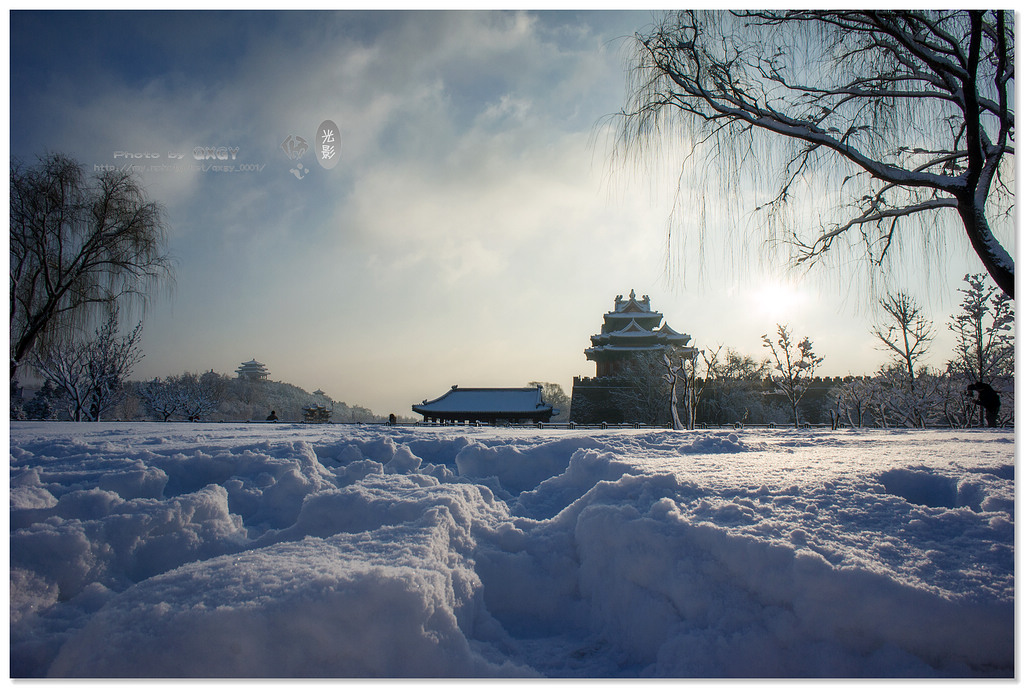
82	246
722	386
745	392
941	399
209	396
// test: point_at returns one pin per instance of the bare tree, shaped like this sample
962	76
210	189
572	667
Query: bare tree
853	399
161	397
555	396
904	403
906	334
984	332
199	394
644	395
77	243
795	363
906	118
687	381
736	390
92	373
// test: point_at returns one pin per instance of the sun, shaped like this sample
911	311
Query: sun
778	300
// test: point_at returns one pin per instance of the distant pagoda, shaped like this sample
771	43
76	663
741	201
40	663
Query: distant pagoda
252	370
631	330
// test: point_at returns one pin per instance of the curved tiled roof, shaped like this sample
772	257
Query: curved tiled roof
633	327
485	402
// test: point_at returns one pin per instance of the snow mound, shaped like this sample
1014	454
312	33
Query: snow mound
518	467
715	444
386	604
174	550
695	599
923	486
586	468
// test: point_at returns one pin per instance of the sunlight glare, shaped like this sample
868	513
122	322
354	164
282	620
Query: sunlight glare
778	301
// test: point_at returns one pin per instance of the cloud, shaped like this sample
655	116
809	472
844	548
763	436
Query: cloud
474	231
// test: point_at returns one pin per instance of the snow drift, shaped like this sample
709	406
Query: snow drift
172	550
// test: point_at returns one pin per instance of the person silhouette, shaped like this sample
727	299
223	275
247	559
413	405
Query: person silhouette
272	418
988	399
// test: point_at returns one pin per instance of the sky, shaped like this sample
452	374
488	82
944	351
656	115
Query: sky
475	226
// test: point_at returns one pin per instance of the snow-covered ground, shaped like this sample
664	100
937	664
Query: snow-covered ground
236	550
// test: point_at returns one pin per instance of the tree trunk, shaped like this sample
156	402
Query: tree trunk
992	254
674	404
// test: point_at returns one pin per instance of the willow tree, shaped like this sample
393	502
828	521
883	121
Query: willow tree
80	245
887	125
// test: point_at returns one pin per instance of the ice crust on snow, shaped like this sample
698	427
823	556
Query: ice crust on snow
179	550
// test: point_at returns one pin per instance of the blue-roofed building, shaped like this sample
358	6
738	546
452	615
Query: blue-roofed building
493	405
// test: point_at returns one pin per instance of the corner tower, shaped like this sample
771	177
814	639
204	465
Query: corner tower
630	334
632	329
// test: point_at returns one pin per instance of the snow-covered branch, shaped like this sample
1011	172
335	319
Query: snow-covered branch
917	102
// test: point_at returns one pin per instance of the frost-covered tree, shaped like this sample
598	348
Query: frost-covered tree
47	403
161	397
66	367
92	372
111	360
954	406
835	402
687	379
795	363
853	398
984	332
188	395
737	391
905	333
881	126
555	396
199	394
77	243
901	402
676	377
984	343
644	395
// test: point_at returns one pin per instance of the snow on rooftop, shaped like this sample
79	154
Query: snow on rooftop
480	399
235	550
632	329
